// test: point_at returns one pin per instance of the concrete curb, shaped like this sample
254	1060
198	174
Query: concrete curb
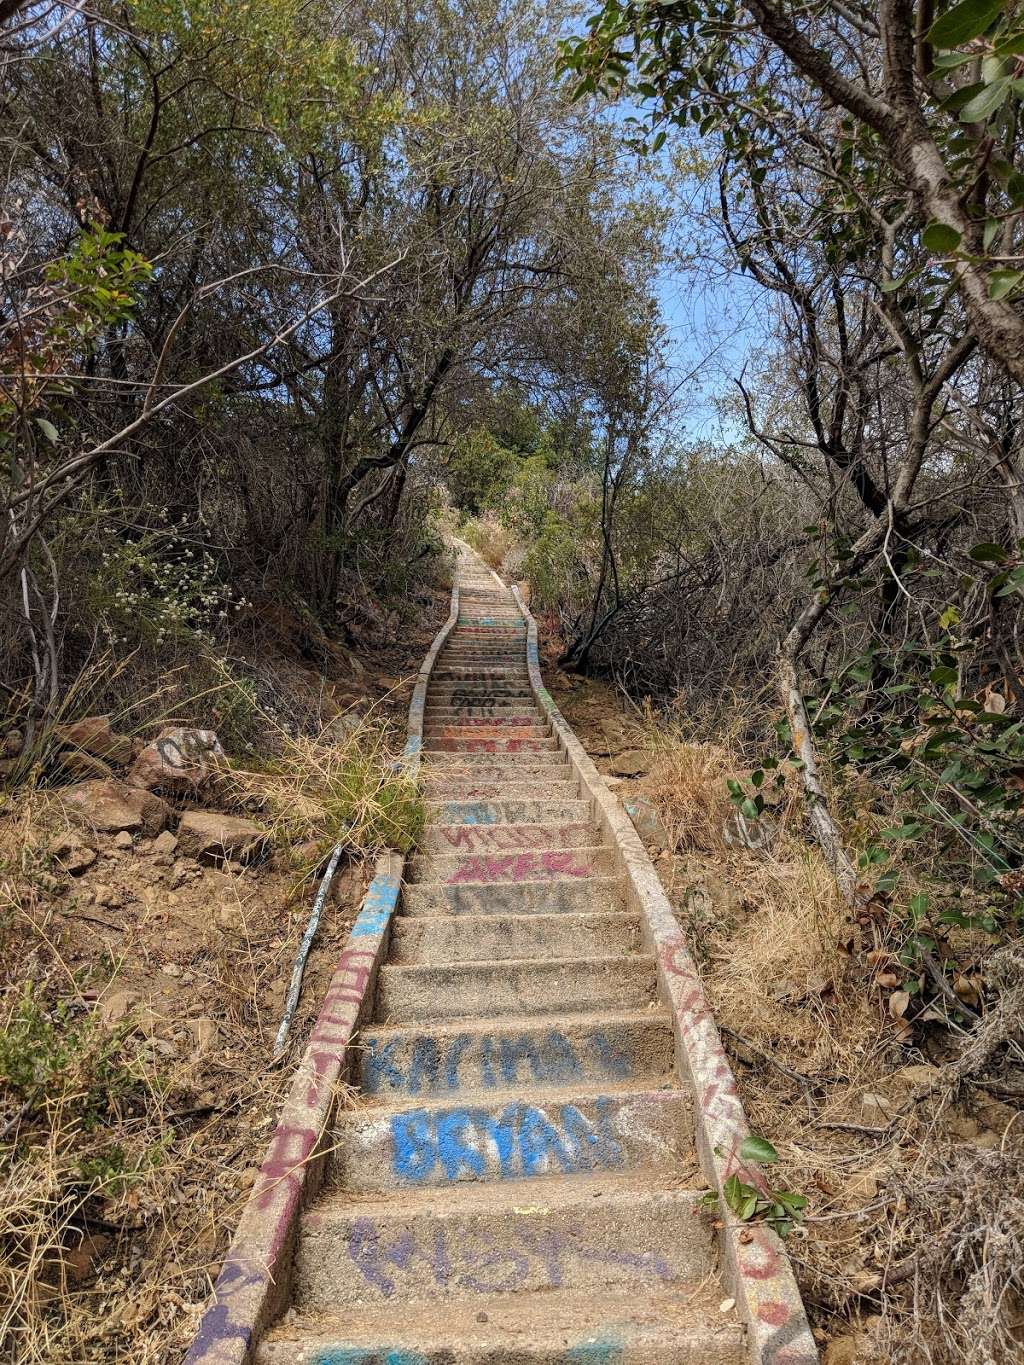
754	1260
254	1284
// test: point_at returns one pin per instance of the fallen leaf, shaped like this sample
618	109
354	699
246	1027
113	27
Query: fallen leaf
898	1003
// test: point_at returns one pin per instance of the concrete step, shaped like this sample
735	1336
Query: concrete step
591	894
458	691
484	651
436	787
629	1233
517	986
445	1059
483	716
501	1136
474	673
551	864
556	1327
437	838
532	744
480	660
489	938
480	715
493	729
546	764
541	811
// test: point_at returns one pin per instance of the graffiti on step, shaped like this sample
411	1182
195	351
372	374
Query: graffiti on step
377	907
429	1065
590	1353
520	867
490	746
497	722
469	813
509	836
482	694
523	1258
523	1140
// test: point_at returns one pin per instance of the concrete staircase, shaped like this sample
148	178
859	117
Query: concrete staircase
514	1180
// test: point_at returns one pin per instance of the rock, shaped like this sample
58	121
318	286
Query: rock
962	1126
80	1261
117	1006
73	854
105	895
93	735
123	840
12	744
110	807
916	1077
206	1035
171	969
164	845
612	782
861	1187
84	766
877	1109
179	760
739	831
630	763
613	733
648	823
212	838
843	1351
345	726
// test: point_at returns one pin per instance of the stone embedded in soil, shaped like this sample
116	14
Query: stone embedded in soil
12	744
205	1033
123	840
740	831
117	1006
878	1108
79	764
631	763
94	735
73	855
110	806
843	1351
210	837
180	760
164	844
648	823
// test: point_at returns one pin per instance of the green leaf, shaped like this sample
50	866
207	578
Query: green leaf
945	61
987	102
48	429
989	235
1000	282
754	1148
749	809
988	553
964	22
890	286
943	676
941	238
790	1200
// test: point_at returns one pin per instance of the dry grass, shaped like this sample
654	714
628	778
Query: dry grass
344	786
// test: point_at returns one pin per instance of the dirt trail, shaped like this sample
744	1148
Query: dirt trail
516	1179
